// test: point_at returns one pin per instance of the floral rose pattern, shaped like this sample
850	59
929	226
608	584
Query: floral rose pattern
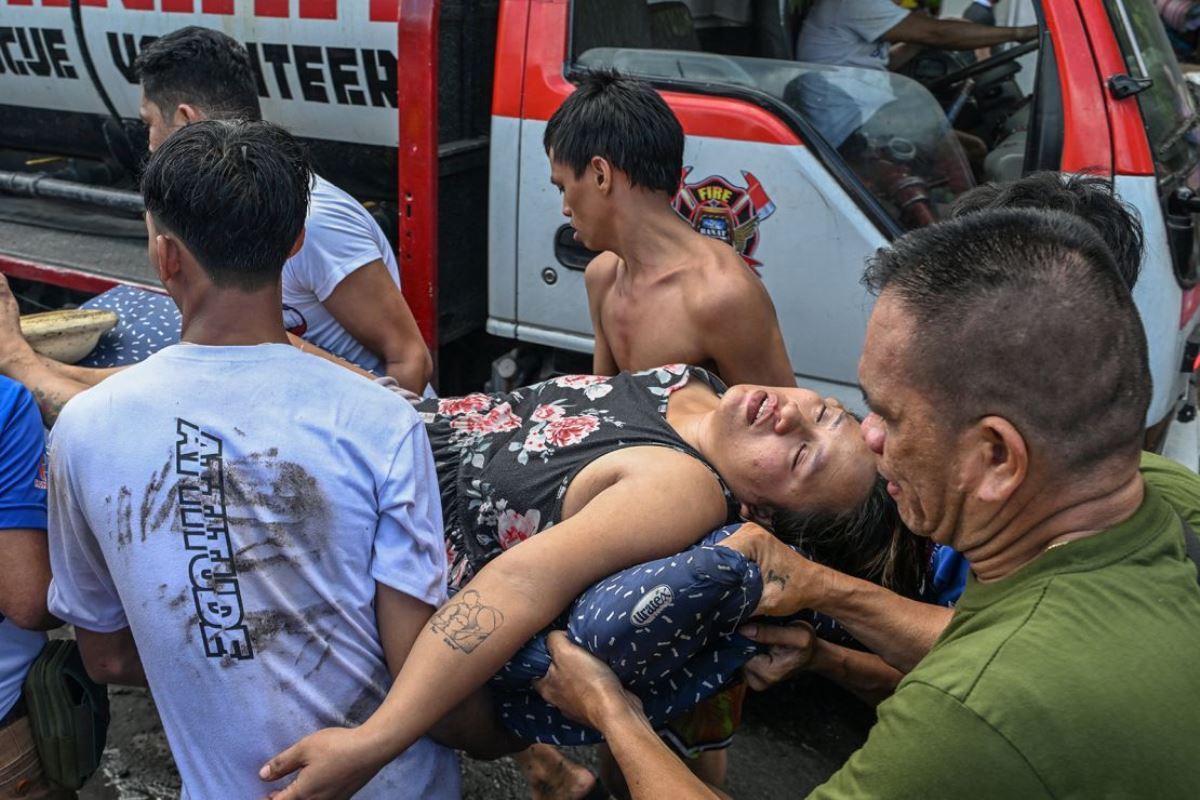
578	381
505	461
472	403
548	412
567	431
498	420
458	567
597	391
513	528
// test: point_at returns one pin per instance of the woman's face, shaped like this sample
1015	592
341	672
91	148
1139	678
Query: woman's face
791	449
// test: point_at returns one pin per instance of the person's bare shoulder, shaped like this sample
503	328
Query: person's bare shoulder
729	286
601	271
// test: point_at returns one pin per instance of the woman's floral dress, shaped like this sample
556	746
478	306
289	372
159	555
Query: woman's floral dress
504	461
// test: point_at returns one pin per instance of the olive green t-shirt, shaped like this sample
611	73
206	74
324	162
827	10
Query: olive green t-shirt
1073	677
1178	485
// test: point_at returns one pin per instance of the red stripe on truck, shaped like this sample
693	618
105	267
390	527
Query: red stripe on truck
417	95
1130	146
270	8
1191	304
61	276
384	10
510	58
318	9
379	10
1086	143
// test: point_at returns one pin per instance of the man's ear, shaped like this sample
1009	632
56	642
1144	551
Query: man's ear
1001	457
186	114
168	258
759	514
601	173
298	243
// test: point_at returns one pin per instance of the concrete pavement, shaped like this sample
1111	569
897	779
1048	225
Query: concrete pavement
792	739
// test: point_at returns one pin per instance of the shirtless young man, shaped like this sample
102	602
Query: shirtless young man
659	292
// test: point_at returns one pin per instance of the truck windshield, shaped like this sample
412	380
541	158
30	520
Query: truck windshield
1168	108
888	128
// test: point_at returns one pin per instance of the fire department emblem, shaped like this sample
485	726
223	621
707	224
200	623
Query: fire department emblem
718	208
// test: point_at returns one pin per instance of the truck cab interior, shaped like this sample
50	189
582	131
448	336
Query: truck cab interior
901	133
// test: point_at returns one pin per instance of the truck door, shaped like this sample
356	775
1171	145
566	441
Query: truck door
1156	156
805	169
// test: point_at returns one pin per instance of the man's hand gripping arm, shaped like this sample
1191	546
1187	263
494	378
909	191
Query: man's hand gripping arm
586	690
899	630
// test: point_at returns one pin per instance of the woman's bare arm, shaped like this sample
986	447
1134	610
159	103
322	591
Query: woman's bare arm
473	726
510	600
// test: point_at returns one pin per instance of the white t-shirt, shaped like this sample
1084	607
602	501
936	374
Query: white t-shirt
234	507
18	650
340	237
846	33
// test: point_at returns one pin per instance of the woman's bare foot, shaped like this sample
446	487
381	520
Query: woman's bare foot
553	776
13	347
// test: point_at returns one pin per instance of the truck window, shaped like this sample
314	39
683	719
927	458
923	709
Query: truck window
1168	111
1167	106
914	141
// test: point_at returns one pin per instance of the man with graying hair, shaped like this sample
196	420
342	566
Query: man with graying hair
1006	370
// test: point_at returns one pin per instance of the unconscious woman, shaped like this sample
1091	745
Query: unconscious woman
589	475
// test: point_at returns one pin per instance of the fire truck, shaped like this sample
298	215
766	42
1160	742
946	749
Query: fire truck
432	113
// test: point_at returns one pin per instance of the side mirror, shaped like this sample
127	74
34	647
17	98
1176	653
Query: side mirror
1182	204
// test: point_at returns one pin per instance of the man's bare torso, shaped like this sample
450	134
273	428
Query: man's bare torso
673	314
648	323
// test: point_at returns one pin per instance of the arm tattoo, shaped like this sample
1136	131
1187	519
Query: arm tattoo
466	622
775	577
50	404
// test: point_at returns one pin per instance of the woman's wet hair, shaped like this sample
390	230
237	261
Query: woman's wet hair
869	542
1092	198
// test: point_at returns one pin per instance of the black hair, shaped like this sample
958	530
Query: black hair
200	67
235	193
624	121
1089	197
1021	313
869	542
